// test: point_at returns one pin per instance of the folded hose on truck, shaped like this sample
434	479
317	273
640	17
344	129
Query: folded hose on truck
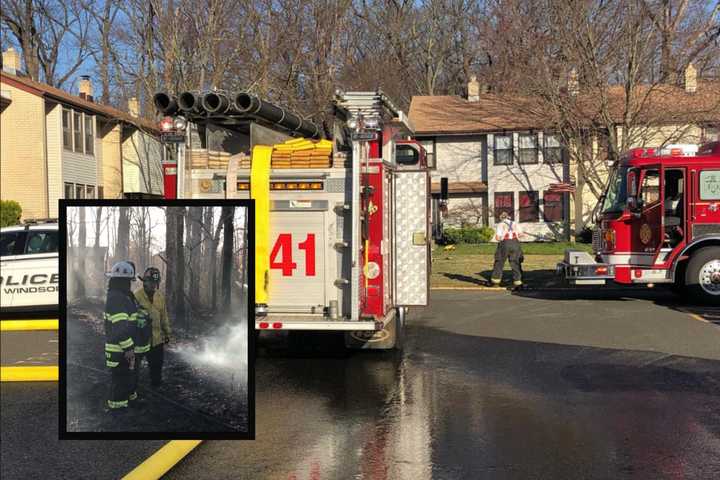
260	192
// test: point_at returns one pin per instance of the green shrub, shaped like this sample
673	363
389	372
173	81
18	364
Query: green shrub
10	213
467	235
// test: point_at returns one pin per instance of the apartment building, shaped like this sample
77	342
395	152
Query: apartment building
500	153
60	145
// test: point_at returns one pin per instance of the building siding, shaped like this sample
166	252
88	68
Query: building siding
53	129
460	159
518	178
142	165
22	152
111	165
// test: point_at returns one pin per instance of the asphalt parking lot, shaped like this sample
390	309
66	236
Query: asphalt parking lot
543	384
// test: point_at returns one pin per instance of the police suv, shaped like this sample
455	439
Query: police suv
29	279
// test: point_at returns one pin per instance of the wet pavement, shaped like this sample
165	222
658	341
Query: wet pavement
30	445
543	385
29	349
493	385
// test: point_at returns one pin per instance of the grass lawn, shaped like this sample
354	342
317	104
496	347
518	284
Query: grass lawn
529	248
471	265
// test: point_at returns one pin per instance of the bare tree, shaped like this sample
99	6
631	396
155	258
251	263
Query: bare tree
123	234
52	35
174	285
227	255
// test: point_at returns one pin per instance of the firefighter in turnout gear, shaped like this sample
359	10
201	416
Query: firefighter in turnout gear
119	347
141	334
507	234
153	302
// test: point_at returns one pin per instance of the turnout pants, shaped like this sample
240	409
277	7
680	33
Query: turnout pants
136	376
155	360
508	250
121	384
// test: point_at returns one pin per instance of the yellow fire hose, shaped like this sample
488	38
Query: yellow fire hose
27	325
163	460
29	374
260	192
33	373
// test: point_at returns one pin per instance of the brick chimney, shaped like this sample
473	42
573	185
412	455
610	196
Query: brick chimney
473	89
85	88
690	80
133	107
11	61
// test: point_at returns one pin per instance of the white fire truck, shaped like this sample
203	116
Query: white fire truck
348	218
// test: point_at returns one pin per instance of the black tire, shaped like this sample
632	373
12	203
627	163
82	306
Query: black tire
693	287
390	338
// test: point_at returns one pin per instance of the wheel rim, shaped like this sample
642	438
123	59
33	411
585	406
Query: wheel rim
710	277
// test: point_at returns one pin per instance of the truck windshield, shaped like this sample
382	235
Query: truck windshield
616	195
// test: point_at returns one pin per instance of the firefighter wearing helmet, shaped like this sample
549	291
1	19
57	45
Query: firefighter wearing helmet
120	311
153	302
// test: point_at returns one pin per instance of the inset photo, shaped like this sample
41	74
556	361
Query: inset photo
155	319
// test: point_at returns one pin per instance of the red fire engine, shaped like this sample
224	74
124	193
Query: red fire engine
347	242
659	223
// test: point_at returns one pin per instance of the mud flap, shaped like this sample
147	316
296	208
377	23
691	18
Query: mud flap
389	338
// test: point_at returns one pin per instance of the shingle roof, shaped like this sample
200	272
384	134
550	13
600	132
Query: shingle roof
67	98
447	115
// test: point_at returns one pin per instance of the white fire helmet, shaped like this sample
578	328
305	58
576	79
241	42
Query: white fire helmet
122	270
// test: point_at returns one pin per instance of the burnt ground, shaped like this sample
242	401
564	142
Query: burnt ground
193	398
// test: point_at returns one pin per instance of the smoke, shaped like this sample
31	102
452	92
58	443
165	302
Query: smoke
224	352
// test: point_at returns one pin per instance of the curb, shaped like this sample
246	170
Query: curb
160	462
27	325
29	374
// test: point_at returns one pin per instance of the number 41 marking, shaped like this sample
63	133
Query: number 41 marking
283	248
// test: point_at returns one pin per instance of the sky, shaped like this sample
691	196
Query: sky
157	222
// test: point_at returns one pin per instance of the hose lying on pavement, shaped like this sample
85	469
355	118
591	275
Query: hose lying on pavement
159	463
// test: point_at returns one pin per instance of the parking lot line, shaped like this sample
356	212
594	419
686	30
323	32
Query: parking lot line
27	325
29	374
159	463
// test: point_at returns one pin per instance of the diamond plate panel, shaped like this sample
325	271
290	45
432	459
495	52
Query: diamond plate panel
411	268
337	185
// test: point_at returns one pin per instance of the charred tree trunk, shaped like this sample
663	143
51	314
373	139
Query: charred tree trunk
207	244
79	273
195	251
98	223
227	256
123	234
213	259
174	291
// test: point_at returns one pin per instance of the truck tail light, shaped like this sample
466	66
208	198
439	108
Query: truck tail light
264	325
601	271
277	325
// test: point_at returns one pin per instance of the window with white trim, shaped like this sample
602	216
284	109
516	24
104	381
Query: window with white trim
69	190
89	134
67	129
503	151
77	132
552	150
527	149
